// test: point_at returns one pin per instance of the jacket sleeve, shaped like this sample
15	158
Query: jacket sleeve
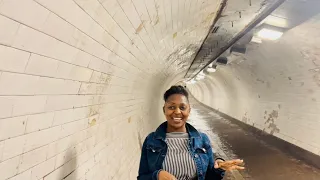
144	171
212	173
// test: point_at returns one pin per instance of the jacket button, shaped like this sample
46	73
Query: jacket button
196	155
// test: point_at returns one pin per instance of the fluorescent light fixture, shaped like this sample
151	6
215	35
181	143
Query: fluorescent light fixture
211	70
201	73
199	77
256	40
193	81
269	34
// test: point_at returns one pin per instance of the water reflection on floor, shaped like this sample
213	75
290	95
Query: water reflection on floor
262	161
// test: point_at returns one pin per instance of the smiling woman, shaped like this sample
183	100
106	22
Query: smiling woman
176	150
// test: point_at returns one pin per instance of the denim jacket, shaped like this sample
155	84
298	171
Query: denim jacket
154	150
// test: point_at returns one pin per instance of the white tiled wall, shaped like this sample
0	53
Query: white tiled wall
80	81
274	87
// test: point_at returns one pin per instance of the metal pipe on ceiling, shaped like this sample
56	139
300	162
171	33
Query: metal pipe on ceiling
249	27
221	8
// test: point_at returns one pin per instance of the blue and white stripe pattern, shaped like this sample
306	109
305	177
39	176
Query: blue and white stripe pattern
178	160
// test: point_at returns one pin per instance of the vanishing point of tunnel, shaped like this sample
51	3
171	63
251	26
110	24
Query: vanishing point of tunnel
81	84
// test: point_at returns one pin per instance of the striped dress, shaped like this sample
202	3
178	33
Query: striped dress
178	160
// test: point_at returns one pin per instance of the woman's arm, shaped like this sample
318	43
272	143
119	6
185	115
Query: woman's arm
212	173
144	172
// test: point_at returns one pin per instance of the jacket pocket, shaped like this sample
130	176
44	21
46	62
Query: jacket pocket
203	154
154	149
153	154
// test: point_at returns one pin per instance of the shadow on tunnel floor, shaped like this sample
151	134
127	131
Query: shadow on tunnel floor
266	157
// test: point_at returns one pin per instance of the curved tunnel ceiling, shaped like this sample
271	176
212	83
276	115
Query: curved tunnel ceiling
81	80
235	18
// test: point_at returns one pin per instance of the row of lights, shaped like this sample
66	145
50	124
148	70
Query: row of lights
211	69
267	33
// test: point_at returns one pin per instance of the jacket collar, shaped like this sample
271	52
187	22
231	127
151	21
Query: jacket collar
161	131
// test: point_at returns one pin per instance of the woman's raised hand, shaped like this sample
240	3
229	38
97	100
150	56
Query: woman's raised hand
229	165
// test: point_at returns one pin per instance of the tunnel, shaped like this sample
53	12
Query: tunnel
82	83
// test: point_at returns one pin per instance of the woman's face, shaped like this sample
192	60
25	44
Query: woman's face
177	110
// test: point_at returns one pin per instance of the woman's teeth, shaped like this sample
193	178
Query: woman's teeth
177	118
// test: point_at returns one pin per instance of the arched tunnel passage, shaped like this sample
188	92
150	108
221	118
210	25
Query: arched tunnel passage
81	84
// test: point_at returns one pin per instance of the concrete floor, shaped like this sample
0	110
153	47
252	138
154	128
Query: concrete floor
262	160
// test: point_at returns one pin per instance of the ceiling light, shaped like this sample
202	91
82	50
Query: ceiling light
199	77
201	73
269	34
256	40
211	70
192	81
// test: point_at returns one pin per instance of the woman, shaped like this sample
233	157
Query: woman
176	150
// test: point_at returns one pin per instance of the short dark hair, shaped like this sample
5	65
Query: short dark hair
176	90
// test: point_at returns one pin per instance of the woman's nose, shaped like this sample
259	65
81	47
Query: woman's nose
177	111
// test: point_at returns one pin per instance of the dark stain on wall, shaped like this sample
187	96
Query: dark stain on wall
271	122
104	79
259	80
245	118
316	75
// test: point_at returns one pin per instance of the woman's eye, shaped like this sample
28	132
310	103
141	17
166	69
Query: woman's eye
182	108
171	108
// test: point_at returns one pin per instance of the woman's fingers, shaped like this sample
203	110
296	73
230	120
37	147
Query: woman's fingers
217	162
230	165
236	161
239	167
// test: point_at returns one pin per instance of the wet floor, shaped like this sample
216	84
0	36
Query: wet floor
263	161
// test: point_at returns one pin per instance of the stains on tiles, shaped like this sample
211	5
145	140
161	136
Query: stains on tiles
209	18
316	75
274	129
93	110
92	122
271	122
140	27
157	20
245	118
260	80
175	35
